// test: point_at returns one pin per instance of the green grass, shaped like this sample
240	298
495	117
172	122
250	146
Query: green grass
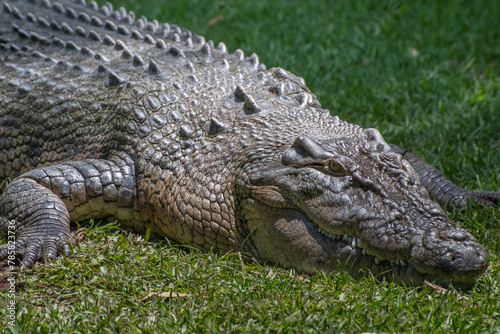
426	74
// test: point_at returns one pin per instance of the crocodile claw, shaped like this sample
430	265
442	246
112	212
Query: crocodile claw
488	198
32	249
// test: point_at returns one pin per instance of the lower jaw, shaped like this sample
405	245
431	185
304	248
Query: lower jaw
405	275
359	264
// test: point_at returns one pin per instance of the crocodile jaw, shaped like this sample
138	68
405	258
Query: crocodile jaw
289	238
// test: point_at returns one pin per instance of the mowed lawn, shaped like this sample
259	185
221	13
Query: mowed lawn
426	74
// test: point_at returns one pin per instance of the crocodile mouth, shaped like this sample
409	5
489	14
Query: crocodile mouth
399	270
387	247
357	243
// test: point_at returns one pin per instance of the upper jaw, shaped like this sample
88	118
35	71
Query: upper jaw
443	255
405	271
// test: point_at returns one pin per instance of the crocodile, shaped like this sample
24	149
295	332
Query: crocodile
104	115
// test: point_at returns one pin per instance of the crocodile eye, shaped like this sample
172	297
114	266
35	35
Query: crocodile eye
336	168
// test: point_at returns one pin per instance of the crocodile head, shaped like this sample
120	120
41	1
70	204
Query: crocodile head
353	203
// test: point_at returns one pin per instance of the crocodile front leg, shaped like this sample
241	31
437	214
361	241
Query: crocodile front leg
441	188
35	221
39	205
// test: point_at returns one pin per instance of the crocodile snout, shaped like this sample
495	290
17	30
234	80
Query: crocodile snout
449	253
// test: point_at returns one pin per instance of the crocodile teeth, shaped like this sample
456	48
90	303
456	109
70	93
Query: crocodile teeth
357	243
329	235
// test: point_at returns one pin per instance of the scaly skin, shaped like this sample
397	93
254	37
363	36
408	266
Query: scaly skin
149	124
